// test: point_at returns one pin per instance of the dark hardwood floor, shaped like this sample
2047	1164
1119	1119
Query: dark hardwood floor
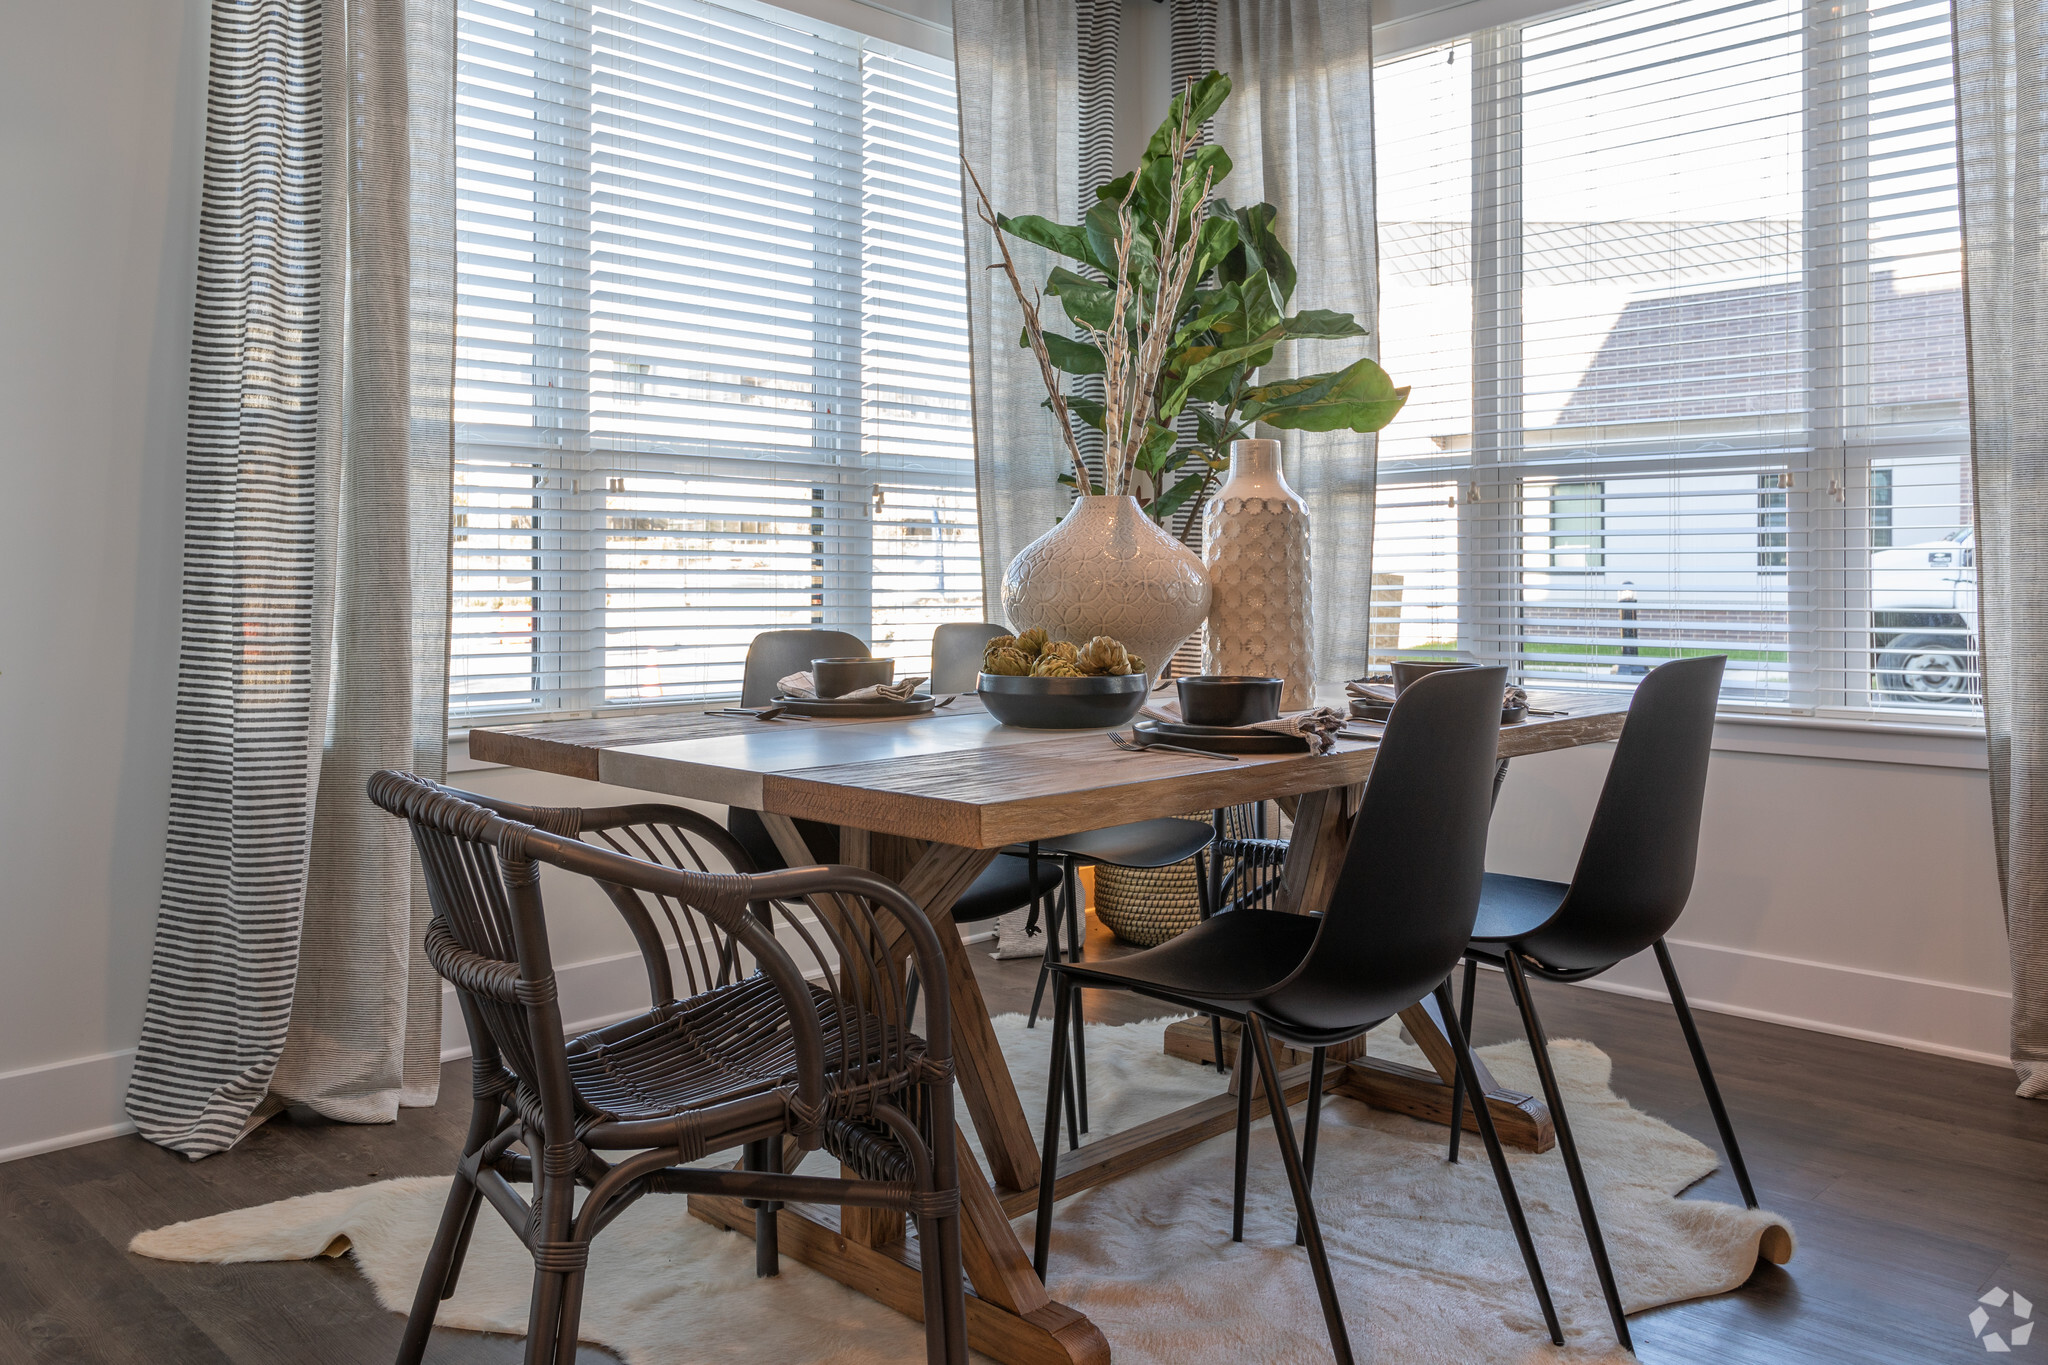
1915	1184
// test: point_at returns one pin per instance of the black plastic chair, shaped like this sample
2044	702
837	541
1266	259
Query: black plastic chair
1634	875
956	654
956	666
1397	921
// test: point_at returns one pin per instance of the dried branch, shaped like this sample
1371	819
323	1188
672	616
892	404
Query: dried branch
1034	329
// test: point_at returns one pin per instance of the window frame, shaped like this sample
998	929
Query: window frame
1825	521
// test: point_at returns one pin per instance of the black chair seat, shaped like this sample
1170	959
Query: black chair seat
1212	962
1143	843
1004	887
1512	908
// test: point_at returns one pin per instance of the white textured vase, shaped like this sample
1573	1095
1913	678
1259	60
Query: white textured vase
1255	544
1107	569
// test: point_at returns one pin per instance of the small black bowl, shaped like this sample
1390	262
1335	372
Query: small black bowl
1406	671
1228	699
1063	703
837	677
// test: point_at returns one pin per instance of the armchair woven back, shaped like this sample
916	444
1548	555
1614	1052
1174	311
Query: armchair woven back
799	960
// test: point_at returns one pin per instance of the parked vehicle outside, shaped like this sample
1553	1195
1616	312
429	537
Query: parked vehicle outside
1923	615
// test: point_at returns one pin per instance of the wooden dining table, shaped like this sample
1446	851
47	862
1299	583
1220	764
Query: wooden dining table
930	801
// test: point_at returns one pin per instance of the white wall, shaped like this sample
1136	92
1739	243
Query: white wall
101	115
1846	894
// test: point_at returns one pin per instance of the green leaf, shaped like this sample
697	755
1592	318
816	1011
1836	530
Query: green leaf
1089	302
1321	322
1158	447
1359	398
1254	353
1113	193
1071	242
1216	240
1089	410
1204	166
1258	249
1068	355
1200	101
1174	498
1261	312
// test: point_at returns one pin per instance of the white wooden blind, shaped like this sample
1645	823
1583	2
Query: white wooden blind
1676	285
712	369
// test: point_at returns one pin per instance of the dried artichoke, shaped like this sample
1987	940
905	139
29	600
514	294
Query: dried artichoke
1031	643
993	647
1053	666
1103	657
1060	649
1134	663
1008	662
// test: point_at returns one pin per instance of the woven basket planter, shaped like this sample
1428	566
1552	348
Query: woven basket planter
1146	906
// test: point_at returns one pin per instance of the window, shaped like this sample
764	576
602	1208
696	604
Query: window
1677	287
1576	522
711	349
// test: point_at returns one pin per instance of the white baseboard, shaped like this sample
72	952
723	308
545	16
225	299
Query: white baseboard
70	1103
64	1104
1941	1017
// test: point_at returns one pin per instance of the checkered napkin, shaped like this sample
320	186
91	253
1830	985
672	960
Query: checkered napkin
803	688
1319	727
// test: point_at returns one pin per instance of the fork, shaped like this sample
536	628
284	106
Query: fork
1131	746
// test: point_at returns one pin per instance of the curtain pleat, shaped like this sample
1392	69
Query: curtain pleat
2002	124
1298	126
1019	129
288	965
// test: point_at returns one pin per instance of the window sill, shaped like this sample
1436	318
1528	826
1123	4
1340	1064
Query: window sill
1851	740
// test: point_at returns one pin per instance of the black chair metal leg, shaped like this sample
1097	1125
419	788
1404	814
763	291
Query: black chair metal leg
1699	1061
1304	1206
1073	1110
1080	1062
1247	1077
1049	1153
1076	927
1502	1177
1042	915
765	1155
1464	1022
1539	1047
1311	1124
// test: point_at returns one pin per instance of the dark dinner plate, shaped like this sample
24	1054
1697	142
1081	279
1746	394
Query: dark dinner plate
1217	738
835	708
1378	711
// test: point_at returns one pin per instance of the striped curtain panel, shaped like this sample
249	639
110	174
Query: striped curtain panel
2002	123
1299	128
1018	73
288	965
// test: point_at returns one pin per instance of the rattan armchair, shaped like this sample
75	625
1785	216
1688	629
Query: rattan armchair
794	1029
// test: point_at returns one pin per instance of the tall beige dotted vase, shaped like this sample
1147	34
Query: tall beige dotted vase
1107	569
1255	544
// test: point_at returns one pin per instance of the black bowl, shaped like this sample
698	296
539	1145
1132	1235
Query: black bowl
837	677
1228	699
1063	703
1406	671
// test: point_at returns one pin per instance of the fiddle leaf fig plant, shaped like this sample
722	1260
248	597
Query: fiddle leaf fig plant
1190	305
